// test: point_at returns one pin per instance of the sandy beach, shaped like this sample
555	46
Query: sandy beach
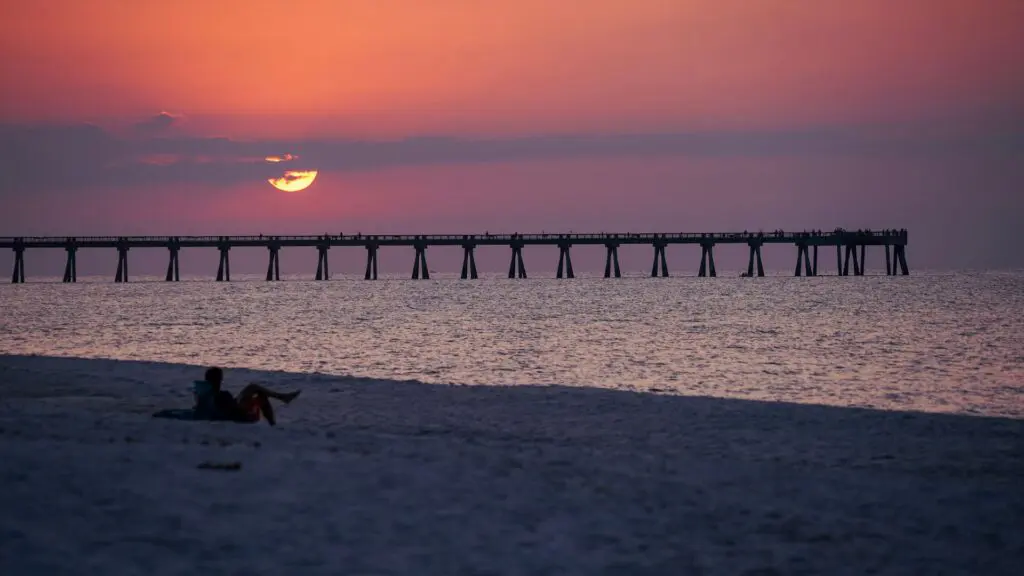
384	477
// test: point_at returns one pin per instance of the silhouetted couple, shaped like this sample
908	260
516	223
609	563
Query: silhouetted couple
250	403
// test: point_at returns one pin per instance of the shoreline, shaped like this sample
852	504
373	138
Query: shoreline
365	475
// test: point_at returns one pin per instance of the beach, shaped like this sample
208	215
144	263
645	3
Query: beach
371	476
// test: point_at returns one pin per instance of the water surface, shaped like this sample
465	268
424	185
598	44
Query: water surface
950	343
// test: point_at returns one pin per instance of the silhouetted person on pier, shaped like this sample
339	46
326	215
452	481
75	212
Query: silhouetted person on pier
247	406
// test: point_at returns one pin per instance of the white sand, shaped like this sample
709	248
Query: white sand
378	477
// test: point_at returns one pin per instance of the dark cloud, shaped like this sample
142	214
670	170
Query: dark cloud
45	157
157	124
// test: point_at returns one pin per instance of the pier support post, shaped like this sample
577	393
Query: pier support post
888	262
19	266
851	249
224	266
420	261
71	267
516	268
172	264
122	264
814	270
900	256
755	254
468	262
323	271
564	258
659	255
612	261
371	262
274	266
863	260
803	252
839	260
707	260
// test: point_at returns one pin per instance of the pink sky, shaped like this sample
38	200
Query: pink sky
623	115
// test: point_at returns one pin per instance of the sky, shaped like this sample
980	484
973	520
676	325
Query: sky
123	117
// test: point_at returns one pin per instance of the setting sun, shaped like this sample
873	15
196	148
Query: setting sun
294	180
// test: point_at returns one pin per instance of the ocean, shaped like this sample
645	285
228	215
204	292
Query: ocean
929	342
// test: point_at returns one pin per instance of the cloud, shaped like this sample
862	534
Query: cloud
281	158
43	158
158	124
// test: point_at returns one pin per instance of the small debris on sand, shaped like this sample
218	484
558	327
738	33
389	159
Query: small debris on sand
227	466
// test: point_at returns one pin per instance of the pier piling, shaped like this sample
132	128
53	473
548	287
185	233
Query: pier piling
122	263
803	257
516	268
707	260
901	258
611	262
18	277
323	270
851	253
71	266
659	257
420	261
564	257
755	254
224	265
468	262
274	266
371	262
173	274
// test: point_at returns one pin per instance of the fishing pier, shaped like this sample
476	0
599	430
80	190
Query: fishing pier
850	248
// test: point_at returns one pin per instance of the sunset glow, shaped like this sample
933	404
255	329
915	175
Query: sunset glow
395	67
500	115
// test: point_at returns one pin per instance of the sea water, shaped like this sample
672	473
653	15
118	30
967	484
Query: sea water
931	342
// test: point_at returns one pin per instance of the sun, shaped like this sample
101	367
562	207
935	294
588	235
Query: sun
294	180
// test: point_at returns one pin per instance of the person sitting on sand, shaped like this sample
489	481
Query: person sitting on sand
248	405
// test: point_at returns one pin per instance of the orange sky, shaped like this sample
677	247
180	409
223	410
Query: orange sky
394	67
